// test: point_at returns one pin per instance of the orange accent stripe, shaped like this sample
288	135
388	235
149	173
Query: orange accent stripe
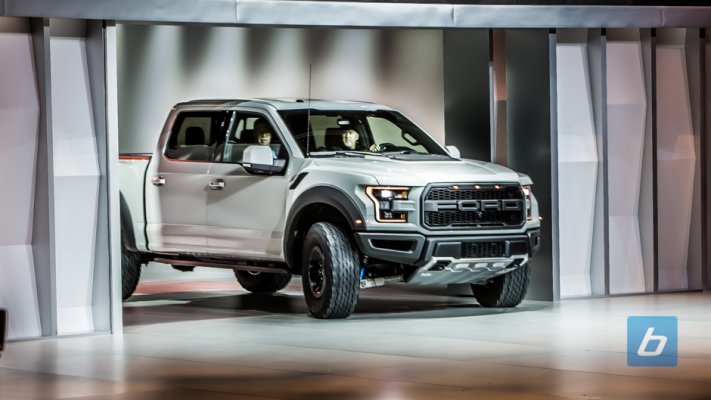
127	157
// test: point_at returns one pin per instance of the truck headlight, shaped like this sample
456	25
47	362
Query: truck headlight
383	198
528	193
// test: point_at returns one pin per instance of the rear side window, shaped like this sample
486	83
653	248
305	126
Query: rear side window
195	134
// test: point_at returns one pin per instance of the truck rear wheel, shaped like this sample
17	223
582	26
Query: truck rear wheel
506	290
258	282
329	272
130	271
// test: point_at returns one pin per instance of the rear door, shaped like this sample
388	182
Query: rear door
177	181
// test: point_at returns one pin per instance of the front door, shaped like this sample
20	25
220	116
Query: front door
177	181
246	212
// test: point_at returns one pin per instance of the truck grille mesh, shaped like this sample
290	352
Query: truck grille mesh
485	193
455	217
489	249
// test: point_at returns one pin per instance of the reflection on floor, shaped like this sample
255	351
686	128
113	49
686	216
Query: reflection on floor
402	343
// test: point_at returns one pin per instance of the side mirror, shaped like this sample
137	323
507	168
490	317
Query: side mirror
453	151
259	159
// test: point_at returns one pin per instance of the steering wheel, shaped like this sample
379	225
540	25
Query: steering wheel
387	147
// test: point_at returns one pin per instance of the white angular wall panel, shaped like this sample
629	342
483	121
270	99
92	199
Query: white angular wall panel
676	166
19	120
577	169
18	135
626	120
18	291
76	184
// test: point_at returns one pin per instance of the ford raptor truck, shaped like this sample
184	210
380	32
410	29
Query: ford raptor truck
349	195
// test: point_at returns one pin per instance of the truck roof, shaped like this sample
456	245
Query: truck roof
287	104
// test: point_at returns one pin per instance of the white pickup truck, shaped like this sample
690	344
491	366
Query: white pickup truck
349	195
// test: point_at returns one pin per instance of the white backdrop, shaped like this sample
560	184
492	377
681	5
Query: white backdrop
162	65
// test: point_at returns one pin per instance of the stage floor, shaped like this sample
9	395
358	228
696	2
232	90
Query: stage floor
211	340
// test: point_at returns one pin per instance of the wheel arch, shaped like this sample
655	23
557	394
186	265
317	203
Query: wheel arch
318	204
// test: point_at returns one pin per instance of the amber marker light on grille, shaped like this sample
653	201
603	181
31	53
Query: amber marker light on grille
383	197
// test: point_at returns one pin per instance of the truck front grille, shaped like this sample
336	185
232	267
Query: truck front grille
469	206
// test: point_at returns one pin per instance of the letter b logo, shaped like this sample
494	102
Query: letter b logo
652	341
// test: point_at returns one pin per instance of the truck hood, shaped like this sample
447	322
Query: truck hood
419	173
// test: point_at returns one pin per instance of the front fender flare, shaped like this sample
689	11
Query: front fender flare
328	195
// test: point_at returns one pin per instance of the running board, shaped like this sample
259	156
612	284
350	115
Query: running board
216	264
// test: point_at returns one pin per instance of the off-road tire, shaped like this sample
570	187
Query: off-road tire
263	282
337	295
130	271
507	290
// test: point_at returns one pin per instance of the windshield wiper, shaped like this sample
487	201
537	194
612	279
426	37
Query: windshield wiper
348	153
411	154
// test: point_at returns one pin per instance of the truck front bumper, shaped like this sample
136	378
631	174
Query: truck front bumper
451	259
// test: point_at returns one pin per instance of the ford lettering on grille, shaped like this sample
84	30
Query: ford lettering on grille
474	206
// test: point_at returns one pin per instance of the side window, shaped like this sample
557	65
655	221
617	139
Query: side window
195	134
248	130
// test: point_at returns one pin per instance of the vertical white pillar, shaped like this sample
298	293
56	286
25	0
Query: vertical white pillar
627	129
77	177
578	163
112	152
676	159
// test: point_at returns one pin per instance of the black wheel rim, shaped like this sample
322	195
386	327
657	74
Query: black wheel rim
316	273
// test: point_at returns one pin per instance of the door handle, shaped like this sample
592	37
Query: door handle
217	184
158	180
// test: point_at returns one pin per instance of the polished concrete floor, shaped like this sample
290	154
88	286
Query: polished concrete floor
219	342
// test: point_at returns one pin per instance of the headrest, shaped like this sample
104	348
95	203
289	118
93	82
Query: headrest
334	138
247	136
194	135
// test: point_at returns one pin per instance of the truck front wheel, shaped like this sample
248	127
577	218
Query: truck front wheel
505	290
329	272
257	282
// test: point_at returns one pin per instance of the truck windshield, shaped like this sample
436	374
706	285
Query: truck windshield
331	133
